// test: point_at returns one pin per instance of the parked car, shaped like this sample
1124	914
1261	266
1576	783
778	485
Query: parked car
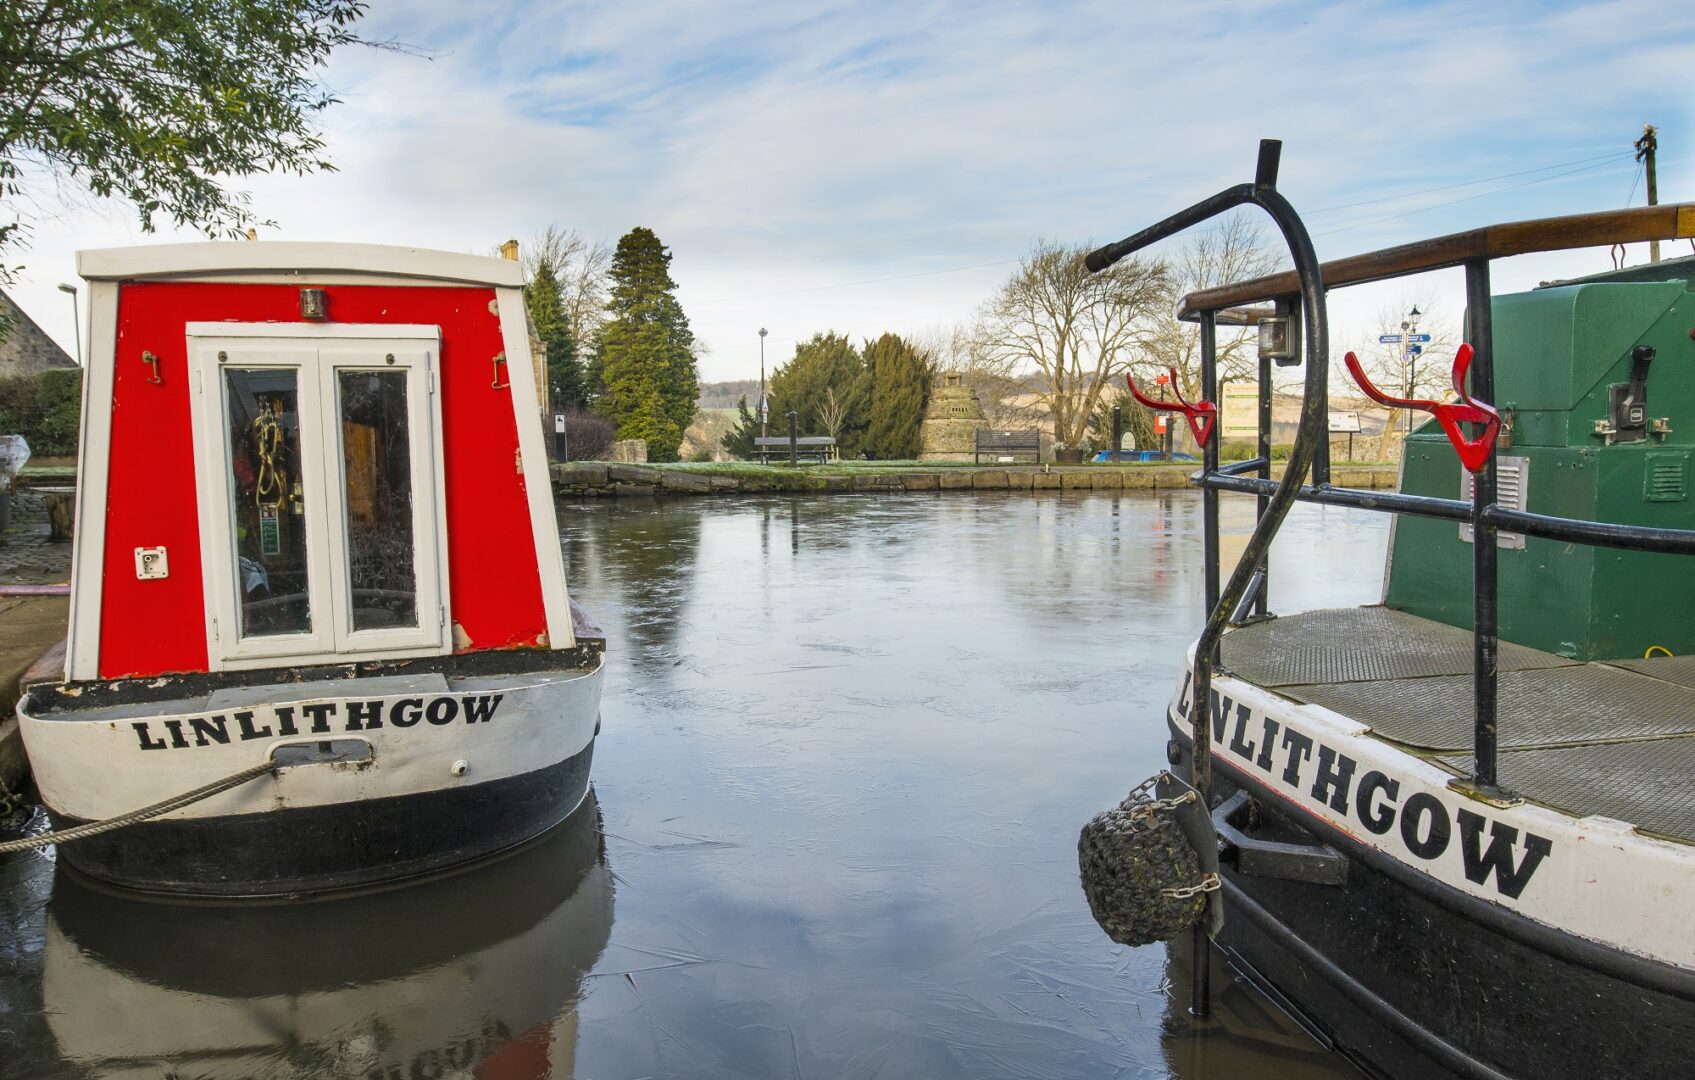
1143	455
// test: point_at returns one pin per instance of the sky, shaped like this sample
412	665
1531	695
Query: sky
873	166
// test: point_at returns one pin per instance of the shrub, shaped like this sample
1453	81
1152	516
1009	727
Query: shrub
45	409
589	436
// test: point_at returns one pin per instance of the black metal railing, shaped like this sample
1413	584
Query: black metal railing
1246	590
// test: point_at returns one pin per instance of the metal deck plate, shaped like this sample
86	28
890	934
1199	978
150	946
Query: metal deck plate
1582	702
1645	783
1673	669
1344	645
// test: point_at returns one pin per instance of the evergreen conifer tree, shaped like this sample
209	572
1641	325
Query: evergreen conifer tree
825	384
646	363
900	376
553	329
739	441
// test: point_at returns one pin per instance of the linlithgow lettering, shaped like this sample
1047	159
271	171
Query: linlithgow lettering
1423	822
363	715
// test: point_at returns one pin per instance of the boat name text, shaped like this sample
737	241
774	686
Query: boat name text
1425	823
314	718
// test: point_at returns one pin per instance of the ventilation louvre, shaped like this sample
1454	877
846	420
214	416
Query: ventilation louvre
1512	490
1665	476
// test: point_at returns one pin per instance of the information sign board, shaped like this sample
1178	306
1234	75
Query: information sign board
1241	411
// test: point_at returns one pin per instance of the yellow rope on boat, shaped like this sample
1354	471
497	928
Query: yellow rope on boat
267	440
1652	649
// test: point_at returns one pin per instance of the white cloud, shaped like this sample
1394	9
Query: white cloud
782	148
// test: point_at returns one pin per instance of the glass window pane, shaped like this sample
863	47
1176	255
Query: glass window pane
376	447
270	512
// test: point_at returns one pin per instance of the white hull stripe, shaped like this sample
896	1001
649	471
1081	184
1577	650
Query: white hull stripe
1593	877
439	735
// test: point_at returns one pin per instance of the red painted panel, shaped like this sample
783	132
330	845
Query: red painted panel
151	627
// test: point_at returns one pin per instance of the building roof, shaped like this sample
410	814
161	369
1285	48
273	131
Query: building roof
25	348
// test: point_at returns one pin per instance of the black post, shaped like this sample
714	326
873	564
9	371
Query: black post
1485	611
1321	460
1200	776
794	446
1117	432
1264	453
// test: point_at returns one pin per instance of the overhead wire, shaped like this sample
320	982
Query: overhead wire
1580	166
1464	199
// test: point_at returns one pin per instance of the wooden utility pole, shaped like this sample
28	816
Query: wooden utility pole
1645	147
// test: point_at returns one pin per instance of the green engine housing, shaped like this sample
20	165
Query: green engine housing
1560	352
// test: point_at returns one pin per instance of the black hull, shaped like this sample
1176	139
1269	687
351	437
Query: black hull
1415	980
324	848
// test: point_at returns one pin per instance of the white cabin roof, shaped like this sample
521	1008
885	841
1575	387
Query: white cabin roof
291	259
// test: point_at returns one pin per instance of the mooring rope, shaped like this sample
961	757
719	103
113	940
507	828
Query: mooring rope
94	828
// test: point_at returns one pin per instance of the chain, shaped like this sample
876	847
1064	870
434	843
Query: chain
10	801
1148	809
1208	883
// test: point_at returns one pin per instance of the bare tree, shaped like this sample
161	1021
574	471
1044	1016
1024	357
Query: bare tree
832	413
1396	368
1234	250
581	266
1078	329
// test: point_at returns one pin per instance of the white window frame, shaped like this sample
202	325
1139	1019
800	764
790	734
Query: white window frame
318	352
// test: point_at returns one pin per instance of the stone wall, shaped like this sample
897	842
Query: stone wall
598	479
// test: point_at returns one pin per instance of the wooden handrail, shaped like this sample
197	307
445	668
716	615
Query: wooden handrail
1674	221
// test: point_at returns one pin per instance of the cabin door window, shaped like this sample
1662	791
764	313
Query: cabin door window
269	506
320	485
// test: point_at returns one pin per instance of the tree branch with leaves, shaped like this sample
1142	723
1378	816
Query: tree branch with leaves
160	102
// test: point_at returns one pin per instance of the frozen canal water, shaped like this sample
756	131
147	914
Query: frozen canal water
848	744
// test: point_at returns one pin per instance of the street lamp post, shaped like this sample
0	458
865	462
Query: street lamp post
762	333
76	318
1410	353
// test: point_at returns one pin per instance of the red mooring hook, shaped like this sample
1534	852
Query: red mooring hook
1474	453
1202	415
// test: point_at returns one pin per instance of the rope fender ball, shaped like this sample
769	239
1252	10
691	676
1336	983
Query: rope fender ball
1143	879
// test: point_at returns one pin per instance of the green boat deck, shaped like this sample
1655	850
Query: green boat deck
1613	738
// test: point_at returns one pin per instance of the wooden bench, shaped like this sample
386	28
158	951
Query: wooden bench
1003	445
805	448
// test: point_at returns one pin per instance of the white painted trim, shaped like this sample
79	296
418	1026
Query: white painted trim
94	459
219	570
301	346
426	467
316	330
538	480
299	260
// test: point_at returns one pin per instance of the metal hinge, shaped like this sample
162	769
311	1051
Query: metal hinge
441	616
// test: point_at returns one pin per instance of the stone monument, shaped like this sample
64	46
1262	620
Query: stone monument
951	422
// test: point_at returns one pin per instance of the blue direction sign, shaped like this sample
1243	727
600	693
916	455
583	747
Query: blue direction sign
1388	339
1417	337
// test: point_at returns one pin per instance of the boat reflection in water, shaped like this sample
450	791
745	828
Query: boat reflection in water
473	975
